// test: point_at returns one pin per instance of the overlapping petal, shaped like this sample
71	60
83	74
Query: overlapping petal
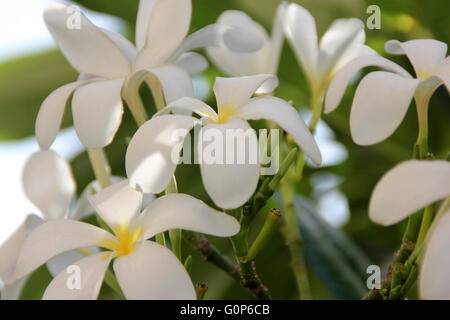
151	154
51	112
424	54
191	105
236	92
341	38
232	177
97	112
435	269
181	211
86	47
341	80
49	184
117	204
152	272
192	62
408	187
166	26
286	117
91	271
9	250
378	110
300	30
53	238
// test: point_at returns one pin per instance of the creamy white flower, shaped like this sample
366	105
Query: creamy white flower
49	184
382	98
108	63
402	191
144	269
341	43
262	61
149	161
408	187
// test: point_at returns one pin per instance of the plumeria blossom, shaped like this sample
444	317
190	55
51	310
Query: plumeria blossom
144	269
404	190
49	184
262	61
112	68
150	155
377	109
341	43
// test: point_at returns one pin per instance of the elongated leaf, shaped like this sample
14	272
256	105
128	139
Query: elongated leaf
324	251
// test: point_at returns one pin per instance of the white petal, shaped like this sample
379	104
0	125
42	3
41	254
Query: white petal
168	24
300	30
49	184
377	110
91	271
192	62
142	21
60	262
236	92
97	112
87	48
83	208
229	183
152	272
117	204
175	82
226	36
286	117
277	37
10	249
127	48
341	37
443	68
341	80
150	156
434	276
424	54
242	63
181	211
51	112
191	105
13	290
408	187
55	237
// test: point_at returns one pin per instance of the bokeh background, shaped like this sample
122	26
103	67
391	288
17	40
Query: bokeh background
340	240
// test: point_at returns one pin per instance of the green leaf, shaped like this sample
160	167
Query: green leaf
331	254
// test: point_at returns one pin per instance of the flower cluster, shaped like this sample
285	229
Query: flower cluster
134	214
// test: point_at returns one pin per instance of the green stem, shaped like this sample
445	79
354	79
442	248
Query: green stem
210	253
426	223
175	241
269	225
100	166
294	241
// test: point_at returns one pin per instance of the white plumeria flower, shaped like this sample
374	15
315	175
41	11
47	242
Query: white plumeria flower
262	61
150	161
382	98
107	61
408	187
341	43
49	184
144	269
402	191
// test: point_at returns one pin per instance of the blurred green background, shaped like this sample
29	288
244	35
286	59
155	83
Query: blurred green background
337	257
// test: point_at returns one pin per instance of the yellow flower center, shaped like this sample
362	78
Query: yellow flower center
124	242
424	75
225	113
